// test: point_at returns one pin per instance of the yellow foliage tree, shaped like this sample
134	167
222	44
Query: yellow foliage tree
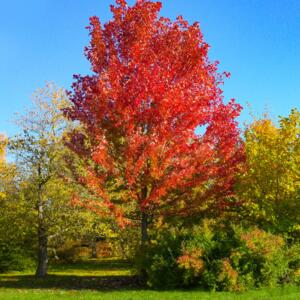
270	186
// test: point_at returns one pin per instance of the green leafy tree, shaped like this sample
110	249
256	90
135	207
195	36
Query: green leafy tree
42	159
40	155
16	243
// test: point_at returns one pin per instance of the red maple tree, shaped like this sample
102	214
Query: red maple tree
153	115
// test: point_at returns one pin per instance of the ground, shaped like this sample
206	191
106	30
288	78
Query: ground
111	280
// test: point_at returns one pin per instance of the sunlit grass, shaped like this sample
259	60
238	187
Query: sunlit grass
287	293
98	268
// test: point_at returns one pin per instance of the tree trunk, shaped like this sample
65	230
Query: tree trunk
41	270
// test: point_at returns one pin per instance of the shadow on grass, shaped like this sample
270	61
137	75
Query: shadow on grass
93	265
69	282
76	277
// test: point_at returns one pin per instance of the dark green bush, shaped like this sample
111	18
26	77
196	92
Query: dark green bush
176	257
159	260
218	257
14	258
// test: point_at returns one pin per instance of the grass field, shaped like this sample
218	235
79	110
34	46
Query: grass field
110	280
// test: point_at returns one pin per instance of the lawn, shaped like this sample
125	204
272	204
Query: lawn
110	280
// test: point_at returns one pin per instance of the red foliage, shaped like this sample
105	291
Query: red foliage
152	86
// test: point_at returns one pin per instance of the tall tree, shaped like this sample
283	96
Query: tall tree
40	155
154	124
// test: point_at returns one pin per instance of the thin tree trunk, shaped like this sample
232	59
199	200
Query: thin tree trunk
41	270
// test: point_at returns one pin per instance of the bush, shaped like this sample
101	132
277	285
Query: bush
219	257
176	257
159	261
14	258
262	255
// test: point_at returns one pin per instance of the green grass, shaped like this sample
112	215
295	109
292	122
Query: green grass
291	293
111	280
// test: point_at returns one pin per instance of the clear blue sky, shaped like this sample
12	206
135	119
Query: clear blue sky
258	41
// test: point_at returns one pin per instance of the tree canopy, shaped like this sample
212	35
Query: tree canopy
152	86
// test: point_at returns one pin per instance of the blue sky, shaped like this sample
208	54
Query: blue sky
258	41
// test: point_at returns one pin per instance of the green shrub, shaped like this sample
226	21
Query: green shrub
219	257
14	258
158	261
176	257
260	259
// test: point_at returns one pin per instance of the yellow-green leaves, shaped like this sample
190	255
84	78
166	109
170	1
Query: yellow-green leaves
271	184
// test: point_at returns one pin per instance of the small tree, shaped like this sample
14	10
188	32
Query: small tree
154	125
